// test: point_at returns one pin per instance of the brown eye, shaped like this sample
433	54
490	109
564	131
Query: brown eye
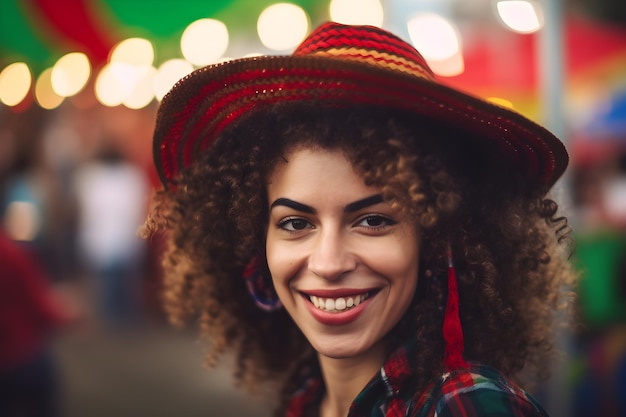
375	221
294	225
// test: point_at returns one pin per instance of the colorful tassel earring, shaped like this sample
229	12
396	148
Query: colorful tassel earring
452	330
260	287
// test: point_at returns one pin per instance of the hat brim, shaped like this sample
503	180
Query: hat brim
200	106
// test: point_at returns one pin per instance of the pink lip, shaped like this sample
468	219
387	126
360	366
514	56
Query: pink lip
338	318
341	292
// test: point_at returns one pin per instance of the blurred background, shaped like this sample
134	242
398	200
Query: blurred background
80	81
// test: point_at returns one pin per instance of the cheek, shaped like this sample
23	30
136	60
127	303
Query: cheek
399	263
403	274
282	263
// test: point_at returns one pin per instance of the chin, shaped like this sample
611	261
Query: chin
343	347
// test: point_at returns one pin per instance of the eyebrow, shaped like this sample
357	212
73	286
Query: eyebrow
350	208
365	202
294	205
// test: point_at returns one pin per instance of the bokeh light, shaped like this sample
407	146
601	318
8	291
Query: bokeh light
282	26
45	95
15	82
70	74
521	16
114	83
433	36
142	91
357	12
168	74
133	51
204	41
437	39
130	85
448	67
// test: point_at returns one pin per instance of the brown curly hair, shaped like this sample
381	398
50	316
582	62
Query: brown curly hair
504	235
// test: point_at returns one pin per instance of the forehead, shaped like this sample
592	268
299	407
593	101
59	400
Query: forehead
309	170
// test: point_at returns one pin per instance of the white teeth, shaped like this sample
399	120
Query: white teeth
338	304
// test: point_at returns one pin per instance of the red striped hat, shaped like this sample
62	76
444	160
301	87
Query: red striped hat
343	66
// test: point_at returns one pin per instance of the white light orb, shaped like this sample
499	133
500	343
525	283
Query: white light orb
282	26
448	67
433	36
521	16
204	41
142	92
133	51
114	83
168	74
357	12
70	74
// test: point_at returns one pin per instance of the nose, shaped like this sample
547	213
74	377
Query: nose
330	256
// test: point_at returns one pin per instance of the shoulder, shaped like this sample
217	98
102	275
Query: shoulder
481	391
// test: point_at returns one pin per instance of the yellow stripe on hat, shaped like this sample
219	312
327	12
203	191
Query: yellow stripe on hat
377	58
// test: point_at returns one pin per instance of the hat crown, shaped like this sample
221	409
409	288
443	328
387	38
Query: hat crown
366	44
340	66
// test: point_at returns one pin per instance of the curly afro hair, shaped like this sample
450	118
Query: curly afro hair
505	236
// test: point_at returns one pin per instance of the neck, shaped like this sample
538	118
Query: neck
344	378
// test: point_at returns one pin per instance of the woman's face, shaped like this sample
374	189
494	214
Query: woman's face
344	263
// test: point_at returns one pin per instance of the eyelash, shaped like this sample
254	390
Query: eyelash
386	220
287	223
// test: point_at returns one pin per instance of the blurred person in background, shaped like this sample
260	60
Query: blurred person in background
112	194
599	368
367	241
32	205
34	302
31	314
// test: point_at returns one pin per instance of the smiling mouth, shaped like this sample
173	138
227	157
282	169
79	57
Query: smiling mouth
339	304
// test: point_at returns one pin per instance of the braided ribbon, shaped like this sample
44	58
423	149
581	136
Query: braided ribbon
452	330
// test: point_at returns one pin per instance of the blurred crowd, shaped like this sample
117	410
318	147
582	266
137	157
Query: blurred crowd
74	189
598	362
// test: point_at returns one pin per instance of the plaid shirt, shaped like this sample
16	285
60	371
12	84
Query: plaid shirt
478	391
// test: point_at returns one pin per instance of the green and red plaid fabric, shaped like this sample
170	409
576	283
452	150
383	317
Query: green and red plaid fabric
477	391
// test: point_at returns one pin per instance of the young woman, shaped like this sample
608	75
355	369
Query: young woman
368	240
